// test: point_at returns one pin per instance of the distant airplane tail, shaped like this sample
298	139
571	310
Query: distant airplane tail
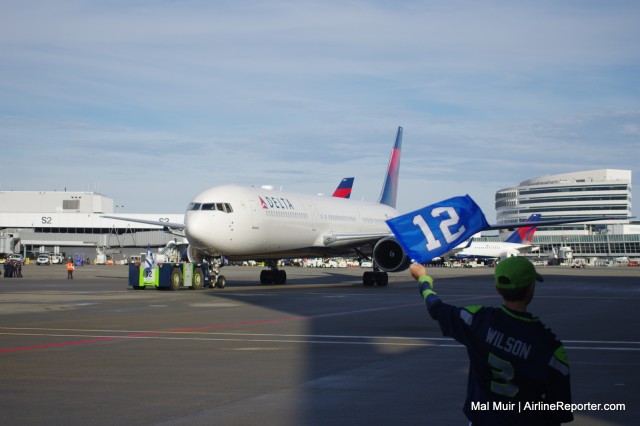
390	188
524	235
344	188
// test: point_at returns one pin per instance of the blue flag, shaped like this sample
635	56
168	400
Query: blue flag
436	229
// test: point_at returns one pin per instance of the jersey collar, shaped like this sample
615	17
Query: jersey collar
522	316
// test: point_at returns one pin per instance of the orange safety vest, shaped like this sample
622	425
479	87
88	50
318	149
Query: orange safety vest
69	266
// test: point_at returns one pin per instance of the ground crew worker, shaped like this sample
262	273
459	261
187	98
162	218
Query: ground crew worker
517	366
70	270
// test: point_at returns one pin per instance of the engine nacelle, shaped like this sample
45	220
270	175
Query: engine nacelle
194	255
389	255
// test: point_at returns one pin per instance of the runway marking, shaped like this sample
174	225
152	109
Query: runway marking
401	341
214	305
333	336
53	345
208	327
155	336
257	349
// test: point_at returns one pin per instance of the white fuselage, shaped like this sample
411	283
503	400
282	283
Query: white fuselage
491	250
254	223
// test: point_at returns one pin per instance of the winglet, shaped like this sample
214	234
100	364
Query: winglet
390	188
344	188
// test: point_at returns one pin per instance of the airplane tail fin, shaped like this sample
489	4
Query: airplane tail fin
524	235
390	188
344	188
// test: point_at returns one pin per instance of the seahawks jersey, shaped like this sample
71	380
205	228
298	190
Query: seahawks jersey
518	369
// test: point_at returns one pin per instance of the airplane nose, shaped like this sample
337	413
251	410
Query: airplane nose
196	229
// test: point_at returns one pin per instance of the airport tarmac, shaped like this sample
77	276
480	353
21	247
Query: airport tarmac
320	350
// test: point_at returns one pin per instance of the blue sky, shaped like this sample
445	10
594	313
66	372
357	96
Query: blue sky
150	102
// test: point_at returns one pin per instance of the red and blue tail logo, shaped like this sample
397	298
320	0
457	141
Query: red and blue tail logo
344	188
390	188
524	235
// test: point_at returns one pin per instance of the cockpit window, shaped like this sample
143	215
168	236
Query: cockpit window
194	206
223	207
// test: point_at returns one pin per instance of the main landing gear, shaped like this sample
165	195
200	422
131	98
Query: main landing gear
375	277
273	275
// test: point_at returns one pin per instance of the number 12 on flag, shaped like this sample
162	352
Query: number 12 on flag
436	229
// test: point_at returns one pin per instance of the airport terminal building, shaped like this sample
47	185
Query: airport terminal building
72	223
579	194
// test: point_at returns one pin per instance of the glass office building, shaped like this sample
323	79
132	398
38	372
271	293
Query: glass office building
573	195
568	195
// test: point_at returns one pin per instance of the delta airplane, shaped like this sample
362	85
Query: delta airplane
246	223
517	243
252	223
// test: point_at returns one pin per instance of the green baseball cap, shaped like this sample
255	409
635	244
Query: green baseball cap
516	272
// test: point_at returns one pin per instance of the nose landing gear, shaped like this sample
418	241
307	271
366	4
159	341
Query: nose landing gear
216	279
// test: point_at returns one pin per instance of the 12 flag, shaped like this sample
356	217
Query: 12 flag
434	230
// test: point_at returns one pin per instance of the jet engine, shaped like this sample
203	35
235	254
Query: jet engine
389	255
194	255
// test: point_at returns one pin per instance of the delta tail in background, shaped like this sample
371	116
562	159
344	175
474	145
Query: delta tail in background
344	188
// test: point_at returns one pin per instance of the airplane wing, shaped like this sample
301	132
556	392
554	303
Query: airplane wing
363	238
547	222
354	239
171	227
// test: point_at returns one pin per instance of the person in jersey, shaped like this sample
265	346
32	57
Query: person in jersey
518	372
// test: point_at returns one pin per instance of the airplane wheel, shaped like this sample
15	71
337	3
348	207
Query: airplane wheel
212	281
368	278
280	277
381	278
198	279
221	281
176	279
266	277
